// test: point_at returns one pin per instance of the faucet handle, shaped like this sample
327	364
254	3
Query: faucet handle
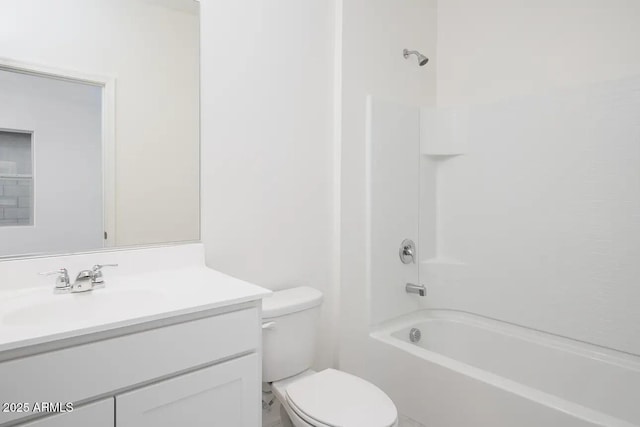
50	273
62	281
408	251
97	272
99	267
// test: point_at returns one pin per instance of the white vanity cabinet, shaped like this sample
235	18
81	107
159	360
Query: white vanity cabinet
222	394
200	369
97	414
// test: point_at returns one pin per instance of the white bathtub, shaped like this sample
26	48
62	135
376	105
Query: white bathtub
468	370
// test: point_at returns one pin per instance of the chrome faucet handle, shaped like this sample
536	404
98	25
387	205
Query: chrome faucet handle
98	267
408	251
97	272
62	281
51	273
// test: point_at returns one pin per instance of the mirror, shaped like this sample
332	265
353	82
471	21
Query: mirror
99	124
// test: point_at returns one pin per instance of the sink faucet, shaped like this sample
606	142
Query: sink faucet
86	280
416	289
96	271
62	281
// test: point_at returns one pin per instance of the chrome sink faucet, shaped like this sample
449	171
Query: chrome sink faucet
62	281
86	280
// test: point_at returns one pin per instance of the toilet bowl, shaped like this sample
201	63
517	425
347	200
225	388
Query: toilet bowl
329	398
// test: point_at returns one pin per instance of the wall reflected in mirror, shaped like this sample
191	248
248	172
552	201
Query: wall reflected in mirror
99	124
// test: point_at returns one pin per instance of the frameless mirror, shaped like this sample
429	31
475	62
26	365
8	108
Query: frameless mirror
99	124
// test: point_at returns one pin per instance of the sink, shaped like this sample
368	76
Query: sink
70	308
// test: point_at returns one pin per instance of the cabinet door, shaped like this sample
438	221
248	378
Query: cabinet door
98	414
227	394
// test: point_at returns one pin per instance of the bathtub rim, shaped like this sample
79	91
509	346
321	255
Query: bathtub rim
582	348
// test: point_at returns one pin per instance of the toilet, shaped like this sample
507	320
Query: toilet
329	398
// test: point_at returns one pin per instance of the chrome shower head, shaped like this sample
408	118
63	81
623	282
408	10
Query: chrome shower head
422	60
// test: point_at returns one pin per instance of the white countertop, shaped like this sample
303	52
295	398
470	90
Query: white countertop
35	315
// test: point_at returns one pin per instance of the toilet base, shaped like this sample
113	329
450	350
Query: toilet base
287	415
285	420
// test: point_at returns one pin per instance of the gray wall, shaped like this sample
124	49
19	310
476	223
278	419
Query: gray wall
65	119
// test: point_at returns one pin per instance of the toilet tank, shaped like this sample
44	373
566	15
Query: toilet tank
289	332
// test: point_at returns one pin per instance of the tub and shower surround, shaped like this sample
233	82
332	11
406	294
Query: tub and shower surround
526	214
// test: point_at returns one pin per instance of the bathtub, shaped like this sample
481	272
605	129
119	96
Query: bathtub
467	370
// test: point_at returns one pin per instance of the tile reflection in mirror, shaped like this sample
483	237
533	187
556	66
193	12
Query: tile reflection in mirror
16	178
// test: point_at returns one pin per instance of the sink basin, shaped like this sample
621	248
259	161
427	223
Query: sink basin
70	308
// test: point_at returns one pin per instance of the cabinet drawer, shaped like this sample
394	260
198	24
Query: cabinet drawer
227	394
98	368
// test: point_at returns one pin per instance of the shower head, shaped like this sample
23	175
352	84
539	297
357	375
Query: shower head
422	60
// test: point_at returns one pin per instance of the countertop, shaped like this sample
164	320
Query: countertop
33	316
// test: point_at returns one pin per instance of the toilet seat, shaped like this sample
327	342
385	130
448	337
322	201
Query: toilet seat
304	417
333	398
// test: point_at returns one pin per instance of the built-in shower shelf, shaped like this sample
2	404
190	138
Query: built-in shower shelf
15	176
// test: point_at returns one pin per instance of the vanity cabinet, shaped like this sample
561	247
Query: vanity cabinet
97	414
218	395
200	369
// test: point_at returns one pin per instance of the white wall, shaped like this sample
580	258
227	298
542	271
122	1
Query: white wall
65	121
152	51
542	211
498	49
374	33
267	145
393	147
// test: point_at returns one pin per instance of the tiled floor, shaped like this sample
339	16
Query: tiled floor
272	418
408	422
404	422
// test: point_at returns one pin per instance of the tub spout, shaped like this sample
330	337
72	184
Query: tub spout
416	289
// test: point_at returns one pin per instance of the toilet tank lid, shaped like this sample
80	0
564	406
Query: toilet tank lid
290	301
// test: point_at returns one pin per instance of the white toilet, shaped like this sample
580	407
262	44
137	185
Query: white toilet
329	398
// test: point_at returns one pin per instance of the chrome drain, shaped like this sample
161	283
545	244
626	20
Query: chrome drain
414	335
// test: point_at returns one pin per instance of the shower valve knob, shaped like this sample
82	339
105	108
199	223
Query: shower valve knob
407	251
